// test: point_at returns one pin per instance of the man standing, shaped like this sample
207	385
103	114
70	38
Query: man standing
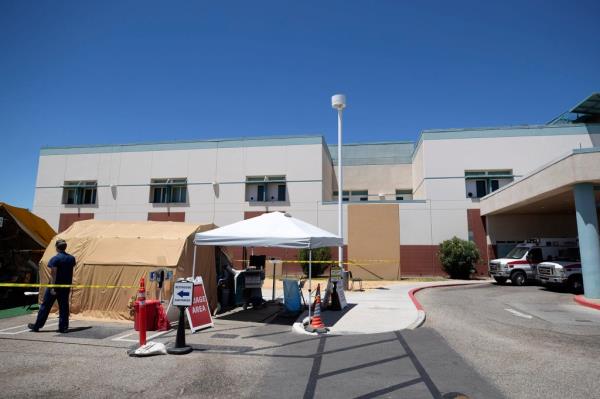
61	272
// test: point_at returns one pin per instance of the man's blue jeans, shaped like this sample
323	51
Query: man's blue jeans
62	295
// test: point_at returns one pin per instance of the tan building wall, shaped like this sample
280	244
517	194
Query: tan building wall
378	179
374	241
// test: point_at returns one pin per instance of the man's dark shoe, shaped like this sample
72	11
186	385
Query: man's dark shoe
31	326
64	331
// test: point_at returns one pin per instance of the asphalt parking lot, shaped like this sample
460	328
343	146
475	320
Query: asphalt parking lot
485	341
529	342
246	355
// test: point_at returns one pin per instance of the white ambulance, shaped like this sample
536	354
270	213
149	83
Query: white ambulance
565	271
520	264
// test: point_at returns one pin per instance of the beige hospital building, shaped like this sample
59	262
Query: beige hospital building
495	186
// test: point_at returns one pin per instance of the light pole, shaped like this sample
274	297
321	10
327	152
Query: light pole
338	102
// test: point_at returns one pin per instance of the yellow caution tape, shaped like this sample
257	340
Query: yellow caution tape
65	285
303	261
349	262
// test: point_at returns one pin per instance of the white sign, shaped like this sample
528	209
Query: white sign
339	289
182	293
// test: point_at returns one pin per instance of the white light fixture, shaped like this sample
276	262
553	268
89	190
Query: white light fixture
338	102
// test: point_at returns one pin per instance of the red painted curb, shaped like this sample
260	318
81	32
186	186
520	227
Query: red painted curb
580	299
411	293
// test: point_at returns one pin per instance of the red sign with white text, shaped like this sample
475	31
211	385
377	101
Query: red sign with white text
199	313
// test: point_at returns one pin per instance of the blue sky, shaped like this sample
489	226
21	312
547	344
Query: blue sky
87	72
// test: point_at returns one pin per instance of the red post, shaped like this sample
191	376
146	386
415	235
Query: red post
141	296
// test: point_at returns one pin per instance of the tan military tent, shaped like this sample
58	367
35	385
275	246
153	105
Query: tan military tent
23	239
120	253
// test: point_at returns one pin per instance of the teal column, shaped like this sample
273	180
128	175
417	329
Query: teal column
589	243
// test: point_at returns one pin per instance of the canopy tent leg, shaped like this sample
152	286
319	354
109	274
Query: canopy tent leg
309	280
194	263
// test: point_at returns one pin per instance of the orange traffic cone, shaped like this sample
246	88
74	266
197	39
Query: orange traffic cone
316	323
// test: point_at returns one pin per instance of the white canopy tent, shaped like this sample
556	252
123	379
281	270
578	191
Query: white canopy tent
275	229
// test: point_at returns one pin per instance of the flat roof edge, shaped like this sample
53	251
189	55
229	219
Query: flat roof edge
375	143
507	127
252	141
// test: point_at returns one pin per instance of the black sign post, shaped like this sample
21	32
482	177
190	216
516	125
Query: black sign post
180	347
182	298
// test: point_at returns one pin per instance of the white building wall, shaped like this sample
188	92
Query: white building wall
418	174
415	223
436	177
124	178
445	161
329	177
431	222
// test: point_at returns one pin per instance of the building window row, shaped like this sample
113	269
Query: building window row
479	183
352	195
258	189
174	190
363	195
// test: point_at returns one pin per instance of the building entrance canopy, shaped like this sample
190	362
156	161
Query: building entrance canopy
549	188
571	183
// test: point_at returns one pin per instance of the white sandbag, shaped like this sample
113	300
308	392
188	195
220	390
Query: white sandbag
151	349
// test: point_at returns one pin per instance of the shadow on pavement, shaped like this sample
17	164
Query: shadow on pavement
330	317
425	367
263	314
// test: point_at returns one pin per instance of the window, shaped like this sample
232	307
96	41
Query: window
517	252
360	195
281	192
403	195
571	254
266	189
260	196
479	183
80	192
535	255
168	191
352	195
481	188
345	196
495	185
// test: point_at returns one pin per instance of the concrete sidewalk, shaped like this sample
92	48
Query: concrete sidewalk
380	310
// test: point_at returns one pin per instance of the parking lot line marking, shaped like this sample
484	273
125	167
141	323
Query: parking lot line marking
11	328
517	313
22	331
122	338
